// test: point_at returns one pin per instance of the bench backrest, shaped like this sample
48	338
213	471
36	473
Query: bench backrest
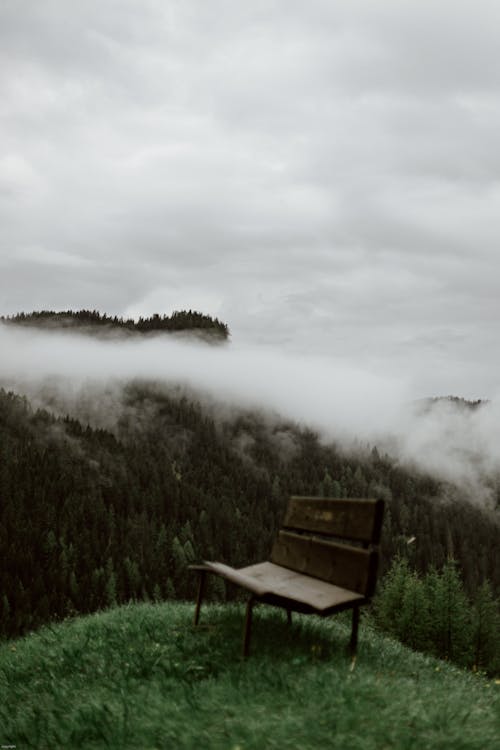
315	537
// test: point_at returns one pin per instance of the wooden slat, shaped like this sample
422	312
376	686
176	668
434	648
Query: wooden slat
358	520
349	567
235	576
288	584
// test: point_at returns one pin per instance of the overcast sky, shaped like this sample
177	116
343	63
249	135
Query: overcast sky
323	176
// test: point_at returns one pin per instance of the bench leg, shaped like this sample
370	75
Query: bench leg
201	591
354	632
248	627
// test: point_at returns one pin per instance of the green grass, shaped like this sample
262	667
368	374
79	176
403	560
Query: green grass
142	677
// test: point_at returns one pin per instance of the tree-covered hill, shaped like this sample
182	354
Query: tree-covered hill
91	517
92	321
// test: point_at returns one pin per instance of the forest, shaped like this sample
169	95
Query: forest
92	517
186	321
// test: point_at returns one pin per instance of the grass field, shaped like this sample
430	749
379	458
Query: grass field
142	677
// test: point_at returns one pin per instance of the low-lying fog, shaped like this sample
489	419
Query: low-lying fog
338	399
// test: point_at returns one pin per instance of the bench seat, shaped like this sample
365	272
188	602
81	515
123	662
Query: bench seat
271	582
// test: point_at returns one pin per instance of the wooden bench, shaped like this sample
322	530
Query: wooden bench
324	560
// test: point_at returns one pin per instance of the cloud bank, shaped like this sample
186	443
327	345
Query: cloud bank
324	176
342	402
312	390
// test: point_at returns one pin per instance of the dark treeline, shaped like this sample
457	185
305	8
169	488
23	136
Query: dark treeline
89	518
427	404
182	320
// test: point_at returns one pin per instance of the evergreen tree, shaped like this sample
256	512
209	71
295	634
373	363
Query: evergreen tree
390	597
486	630
450	631
414	615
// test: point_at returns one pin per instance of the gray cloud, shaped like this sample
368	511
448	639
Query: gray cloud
324	176
78	374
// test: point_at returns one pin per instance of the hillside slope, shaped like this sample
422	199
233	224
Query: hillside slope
92	517
141	676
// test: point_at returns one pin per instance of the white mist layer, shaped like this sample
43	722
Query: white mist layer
341	401
460	445
324	393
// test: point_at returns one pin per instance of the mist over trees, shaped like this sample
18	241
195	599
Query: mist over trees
94	321
108	494
90	518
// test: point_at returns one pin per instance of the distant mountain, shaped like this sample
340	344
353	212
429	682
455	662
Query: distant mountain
94	322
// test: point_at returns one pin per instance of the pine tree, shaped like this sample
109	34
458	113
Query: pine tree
414	614
450	630
486	630
390	597
326	488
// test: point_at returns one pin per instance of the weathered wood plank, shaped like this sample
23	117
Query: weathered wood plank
237	577
348	567
358	520
296	587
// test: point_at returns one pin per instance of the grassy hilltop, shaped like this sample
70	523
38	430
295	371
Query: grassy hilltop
141	676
